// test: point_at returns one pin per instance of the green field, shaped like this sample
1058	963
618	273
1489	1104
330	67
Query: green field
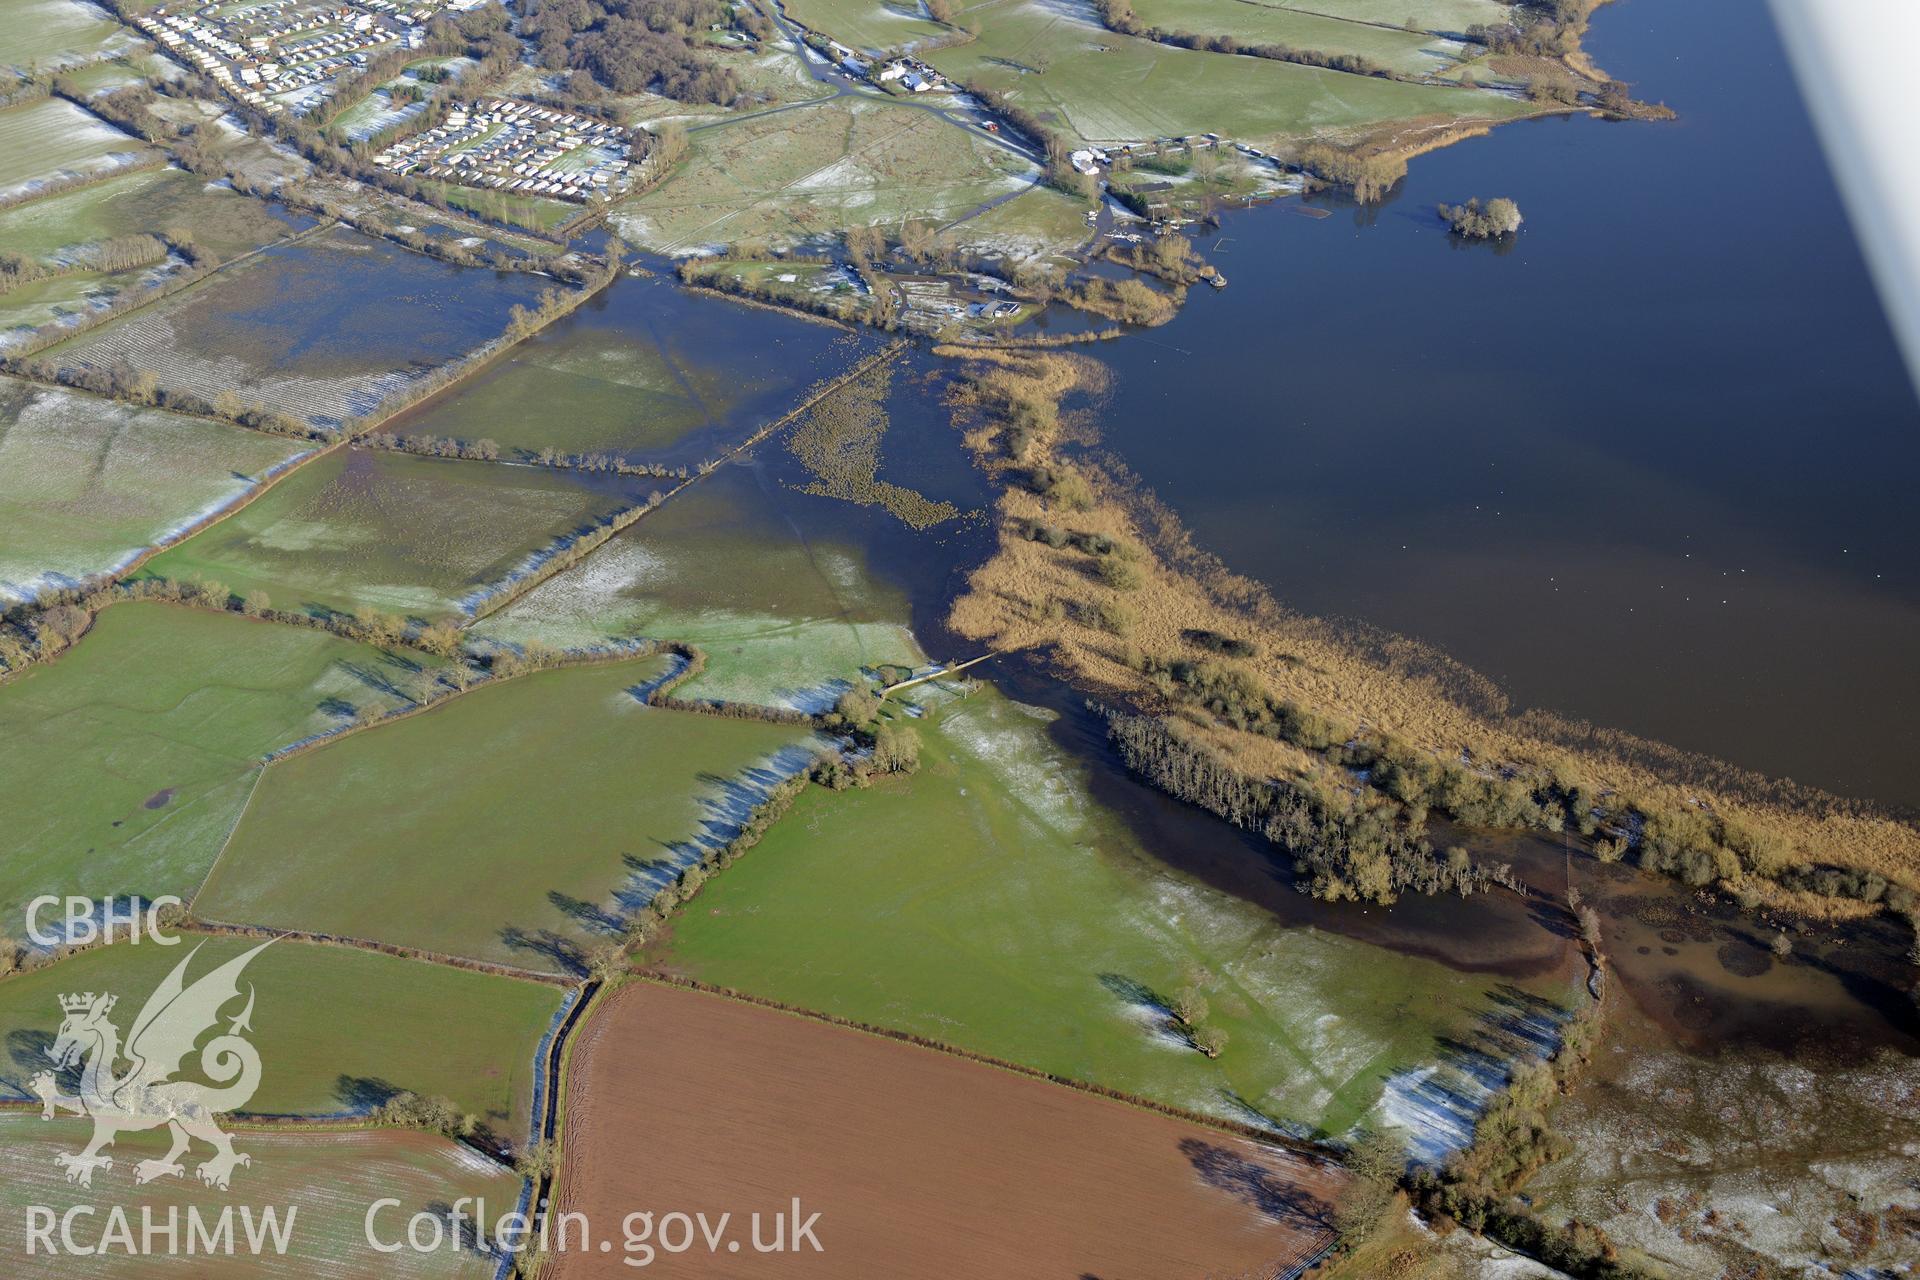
1262	22
991	902
152	200
62	299
52	137
782	616
500	826
104	76
127	760
406	534
645	371
338	1030
785	176
1060	64
86	483
45	34
324	329
329	1179
870	25
1039	223
1446	16
536	212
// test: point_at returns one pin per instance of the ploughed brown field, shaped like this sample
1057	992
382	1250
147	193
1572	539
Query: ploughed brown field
918	1163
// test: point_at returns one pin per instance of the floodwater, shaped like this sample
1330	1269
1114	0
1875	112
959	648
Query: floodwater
646	371
1648	467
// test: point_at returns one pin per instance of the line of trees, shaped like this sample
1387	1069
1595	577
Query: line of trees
1539	28
121	253
1369	176
643	925
197	264
1514	1137
1345	845
571	553
75	181
1059	173
1118	16
1691	844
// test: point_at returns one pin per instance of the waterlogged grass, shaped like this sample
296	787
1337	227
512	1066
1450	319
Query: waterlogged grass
501	825
788	176
326	1180
152	200
647	372
324	329
1263	22
990	902
52	137
127	761
405	534
1059	62
785	619
338	1030
85	484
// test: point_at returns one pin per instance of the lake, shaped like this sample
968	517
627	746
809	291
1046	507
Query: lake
1647	468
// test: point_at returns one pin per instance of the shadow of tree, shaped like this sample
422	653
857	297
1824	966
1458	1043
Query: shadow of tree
586	914
27	1051
561	950
468	1235
1271	1191
361	1094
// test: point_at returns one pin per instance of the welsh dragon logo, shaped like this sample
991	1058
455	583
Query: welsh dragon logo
147	1096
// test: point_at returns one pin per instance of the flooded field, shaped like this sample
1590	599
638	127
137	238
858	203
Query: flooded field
791	594
370	318
151	200
644	372
424	538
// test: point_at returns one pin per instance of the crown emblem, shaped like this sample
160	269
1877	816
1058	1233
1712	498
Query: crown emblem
85	1001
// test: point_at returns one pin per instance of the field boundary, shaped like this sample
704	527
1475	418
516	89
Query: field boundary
169	289
223	928
507	598
457	371
1270	1137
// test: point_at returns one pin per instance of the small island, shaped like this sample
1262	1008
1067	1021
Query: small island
1497	217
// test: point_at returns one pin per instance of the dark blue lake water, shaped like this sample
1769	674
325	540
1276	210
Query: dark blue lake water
1650	467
